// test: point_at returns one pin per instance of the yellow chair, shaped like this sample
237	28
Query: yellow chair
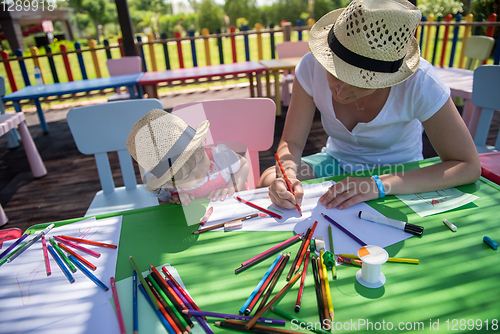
477	50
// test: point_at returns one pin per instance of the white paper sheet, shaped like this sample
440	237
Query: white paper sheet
369	232
31	302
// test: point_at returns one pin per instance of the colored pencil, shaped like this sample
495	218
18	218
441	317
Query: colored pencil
174	323
76	246
88	273
46	256
11	247
323	292
118	309
181	290
79	257
135	310
255	206
213	227
235	317
327	287
206	216
163	283
334	267
259	285
264	286
144	284
292	317
306	246
276	277
13	252
19	251
317	288
89	242
63	256
302	280
61	264
240	328
391	259
263	328
160	316
292	267
287	181
346	231
275	298
272	249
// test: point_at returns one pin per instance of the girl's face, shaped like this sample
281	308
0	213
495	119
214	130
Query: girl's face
344	93
198	173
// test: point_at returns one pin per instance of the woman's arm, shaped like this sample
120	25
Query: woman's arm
298	123
459	165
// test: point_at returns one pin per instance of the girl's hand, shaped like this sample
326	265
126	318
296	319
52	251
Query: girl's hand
350	191
228	191
279	194
183	198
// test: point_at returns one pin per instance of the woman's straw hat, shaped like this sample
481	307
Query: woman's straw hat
161	143
370	43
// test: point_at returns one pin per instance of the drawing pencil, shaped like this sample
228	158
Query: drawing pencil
179	294
287	181
144	284
306	246
118	308
11	247
15	250
263	287
273	283
89	242
235	317
323	291
348	260
88	273
135	310
168	317
264	328
206	216
167	313
302	280
292	268
327	287
61	264
292	317
259	285
46	256
63	256
317	288
346	231
255	206
163	283
213	227
76	246
334	267
31	242
79	257
289	241
223	324
181	290
391	259
275	298
160	316
242	268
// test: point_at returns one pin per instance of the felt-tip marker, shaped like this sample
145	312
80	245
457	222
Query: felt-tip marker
407	227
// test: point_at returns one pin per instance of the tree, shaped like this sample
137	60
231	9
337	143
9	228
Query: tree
247	9
101	12
440	7
209	16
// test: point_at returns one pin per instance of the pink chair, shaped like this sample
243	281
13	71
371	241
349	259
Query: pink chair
244	125
290	50
122	66
9	234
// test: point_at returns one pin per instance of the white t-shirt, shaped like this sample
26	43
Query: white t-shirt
394	136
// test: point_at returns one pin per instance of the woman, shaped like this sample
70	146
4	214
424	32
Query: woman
365	75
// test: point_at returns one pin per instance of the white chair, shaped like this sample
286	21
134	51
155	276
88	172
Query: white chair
122	66
485	94
103	128
244	125
290	50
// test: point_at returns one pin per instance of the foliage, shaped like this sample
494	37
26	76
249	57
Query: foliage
241	22
322	7
485	7
440	7
247	9
180	22
210	16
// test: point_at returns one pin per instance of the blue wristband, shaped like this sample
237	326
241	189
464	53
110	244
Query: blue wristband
380	185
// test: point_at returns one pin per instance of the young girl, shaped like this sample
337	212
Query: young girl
177	167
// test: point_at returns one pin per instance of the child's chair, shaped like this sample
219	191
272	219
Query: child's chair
288	50
102	128
9	234
122	66
477	49
249	121
485	95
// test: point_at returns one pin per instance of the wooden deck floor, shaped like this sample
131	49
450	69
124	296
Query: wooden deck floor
71	182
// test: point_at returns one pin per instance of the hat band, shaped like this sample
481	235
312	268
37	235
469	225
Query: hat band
360	61
174	153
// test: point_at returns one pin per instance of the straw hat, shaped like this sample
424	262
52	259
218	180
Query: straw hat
370	43
161	143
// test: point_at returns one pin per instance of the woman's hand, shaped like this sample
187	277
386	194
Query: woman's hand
279	194
350	191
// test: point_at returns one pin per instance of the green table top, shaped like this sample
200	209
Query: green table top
453	289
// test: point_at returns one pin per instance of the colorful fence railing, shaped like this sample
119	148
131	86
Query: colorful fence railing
433	35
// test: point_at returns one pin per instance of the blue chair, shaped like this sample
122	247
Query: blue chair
485	94
102	128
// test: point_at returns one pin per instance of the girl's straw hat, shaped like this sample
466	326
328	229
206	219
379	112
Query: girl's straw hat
370	43
161	143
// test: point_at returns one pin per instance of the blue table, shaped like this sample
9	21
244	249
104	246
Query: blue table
57	89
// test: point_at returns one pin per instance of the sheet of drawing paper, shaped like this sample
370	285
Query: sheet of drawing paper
371	233
32	302
429	203
148	320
